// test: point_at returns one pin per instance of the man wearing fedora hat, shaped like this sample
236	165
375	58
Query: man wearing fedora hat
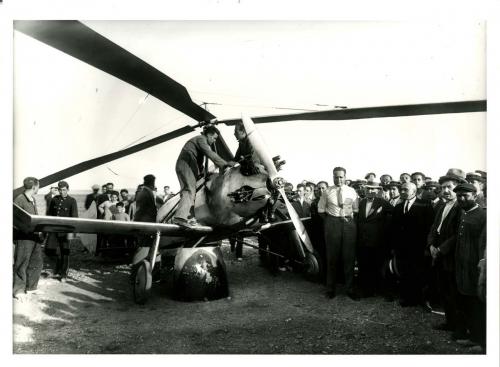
441	242
372	223
478	181
469	253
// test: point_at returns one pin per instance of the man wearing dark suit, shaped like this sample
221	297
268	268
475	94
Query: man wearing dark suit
411	222
372	222
301	206
442	241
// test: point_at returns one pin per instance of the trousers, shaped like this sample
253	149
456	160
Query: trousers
187	181
340	243
28	264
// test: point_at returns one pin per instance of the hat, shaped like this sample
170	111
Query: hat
467	187
394	183
368	175
96	187
375	185
453	174
432	184
482	173
474	176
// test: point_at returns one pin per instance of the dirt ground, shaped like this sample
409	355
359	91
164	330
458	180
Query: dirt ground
94	313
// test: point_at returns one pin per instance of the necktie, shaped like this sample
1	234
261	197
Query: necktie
407	204
340	199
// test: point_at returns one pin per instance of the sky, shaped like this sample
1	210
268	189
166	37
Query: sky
66	111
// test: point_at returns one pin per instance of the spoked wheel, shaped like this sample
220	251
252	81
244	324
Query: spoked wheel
142	282
313	267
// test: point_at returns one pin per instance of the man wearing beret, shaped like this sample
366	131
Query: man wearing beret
469	253
411	222
478	181
441	242
63	205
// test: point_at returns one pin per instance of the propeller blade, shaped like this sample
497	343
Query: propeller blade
84	166
76	39
374	112
299	226
261	148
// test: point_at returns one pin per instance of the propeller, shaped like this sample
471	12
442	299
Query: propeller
261	148
374	112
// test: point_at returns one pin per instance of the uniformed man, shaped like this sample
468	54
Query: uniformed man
63	205
28	260
189	167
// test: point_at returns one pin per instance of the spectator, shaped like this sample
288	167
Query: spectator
394	196
108	207
410	226
28	260
125	199
300	204
370	178
442	241
48	197
469	252
63	205
338	205
404	177
418	178
478	182
385	179
372	222
133	206
120	213
92	197
166	193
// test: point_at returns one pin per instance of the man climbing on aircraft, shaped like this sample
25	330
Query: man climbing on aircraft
189	167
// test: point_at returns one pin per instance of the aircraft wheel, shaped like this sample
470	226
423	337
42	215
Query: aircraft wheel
142	282
313	267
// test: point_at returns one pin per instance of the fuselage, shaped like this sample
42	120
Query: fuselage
225	198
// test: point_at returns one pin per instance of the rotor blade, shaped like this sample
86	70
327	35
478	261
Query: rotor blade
76	39
223	150
84	166
374	112
261	148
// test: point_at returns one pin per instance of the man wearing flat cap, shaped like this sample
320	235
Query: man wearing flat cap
478	181
441	243
63	205
469	253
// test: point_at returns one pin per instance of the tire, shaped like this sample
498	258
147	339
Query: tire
313	268
143	280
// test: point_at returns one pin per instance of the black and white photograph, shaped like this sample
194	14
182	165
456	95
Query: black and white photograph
251	187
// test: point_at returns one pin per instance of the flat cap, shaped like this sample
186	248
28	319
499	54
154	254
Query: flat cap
96	187
474	176
465	187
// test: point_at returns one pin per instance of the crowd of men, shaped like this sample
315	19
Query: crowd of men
416	239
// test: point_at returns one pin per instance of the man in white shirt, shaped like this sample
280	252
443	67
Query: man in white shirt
338	205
